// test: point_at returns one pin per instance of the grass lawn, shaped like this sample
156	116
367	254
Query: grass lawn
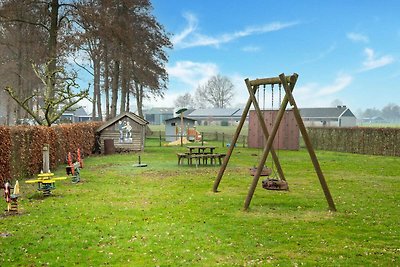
167	215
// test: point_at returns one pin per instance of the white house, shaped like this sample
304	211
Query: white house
340	116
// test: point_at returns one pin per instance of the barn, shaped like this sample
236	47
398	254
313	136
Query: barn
287	137
127	132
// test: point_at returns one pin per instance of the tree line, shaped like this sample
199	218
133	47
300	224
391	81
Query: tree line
390	112
43	45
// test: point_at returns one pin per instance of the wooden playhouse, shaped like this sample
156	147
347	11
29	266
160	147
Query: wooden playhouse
125	133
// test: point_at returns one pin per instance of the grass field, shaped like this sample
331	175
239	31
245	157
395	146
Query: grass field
167	215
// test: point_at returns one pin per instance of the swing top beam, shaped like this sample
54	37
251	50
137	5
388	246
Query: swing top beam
272	80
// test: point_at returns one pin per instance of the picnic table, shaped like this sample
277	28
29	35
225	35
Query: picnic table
201	149
200	155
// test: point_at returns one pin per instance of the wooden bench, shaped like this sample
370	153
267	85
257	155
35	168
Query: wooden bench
200	157
181	157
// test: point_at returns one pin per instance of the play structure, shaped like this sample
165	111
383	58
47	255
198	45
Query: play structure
11	198
73	169
45	179
288	83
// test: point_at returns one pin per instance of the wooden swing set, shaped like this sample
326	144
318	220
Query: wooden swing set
288	83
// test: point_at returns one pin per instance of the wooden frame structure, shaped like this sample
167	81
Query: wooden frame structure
288	83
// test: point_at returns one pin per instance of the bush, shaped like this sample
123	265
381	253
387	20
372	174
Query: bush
372	141
21	150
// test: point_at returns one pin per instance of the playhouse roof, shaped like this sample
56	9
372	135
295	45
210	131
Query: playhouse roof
130	115
179	118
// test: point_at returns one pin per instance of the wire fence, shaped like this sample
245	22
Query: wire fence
160	138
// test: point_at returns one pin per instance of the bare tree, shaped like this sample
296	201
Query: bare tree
391	112
218	92
336	102
53	19
56	100
185	100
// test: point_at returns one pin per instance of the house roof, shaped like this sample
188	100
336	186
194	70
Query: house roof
214	112
130	115
81	112
330	112
179	118
160	111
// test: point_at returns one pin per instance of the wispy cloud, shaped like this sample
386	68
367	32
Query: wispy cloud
340	83
373	62
189	37
190	27
357	37
251	48
192	73
321	55
316	95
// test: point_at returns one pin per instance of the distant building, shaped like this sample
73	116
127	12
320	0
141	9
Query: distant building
157	116
216	116
340	116
375	119
77	115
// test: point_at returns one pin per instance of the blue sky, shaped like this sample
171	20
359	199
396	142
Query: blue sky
345	50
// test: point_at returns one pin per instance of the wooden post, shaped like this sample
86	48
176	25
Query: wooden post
232	146
182	128
309	146
46	158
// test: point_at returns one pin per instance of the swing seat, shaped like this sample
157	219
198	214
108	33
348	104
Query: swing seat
275	184
265	171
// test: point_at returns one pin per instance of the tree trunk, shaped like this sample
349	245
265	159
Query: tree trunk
124	86
107	81
52	46
114	89
139	98
96	90
128	96
18	113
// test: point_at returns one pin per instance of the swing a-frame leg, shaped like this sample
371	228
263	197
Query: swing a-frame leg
288	83
251	100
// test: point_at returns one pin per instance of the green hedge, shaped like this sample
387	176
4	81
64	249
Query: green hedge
360	140
21	146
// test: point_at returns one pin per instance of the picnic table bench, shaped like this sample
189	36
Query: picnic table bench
201	155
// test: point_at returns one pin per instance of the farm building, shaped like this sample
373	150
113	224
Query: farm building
127	131
217	116
287	137
157	116
340	116
173	128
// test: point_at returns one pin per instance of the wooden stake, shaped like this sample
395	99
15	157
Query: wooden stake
310	148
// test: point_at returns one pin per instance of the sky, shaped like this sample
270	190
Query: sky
343	50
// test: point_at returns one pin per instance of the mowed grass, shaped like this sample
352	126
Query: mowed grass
167	215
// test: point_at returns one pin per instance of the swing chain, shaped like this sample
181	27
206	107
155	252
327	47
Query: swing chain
272	96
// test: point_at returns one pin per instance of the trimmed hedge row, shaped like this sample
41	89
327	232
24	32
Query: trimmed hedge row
21	146
360	140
